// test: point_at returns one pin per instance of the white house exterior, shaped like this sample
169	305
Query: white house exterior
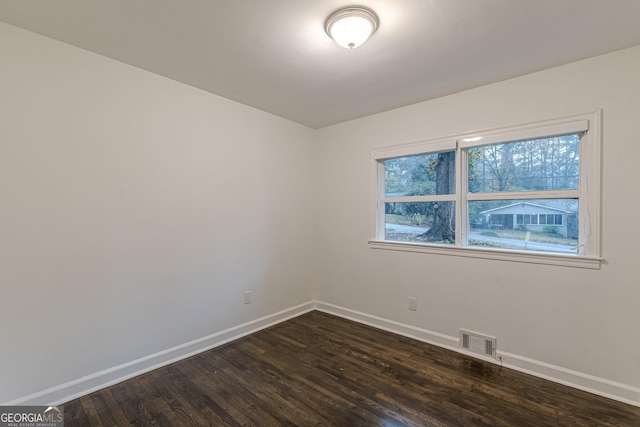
530	215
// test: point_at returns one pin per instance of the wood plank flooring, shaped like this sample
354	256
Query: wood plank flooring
321	370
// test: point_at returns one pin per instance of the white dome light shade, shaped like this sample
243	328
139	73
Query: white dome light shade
352	26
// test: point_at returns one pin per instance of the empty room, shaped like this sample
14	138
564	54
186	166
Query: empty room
265	213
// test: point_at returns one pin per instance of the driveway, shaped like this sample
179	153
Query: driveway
405	229
520	244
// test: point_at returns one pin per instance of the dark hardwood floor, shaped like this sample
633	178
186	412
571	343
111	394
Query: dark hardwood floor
319	369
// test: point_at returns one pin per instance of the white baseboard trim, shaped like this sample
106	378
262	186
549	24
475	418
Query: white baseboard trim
585	382
62	393
82	386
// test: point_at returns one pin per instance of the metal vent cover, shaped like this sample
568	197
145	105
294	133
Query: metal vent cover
478	343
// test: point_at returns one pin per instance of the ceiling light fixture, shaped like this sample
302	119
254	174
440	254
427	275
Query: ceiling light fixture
351	26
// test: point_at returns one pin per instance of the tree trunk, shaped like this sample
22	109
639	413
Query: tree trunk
443	227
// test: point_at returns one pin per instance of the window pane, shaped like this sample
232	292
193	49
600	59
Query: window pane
423	175
534	165
510	224
422	222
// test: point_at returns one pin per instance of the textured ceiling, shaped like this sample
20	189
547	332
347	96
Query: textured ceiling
274	55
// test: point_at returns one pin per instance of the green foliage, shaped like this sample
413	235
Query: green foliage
419	172
537	164
398	219
418	218
551	230
475	157
421	188
410	176
521	227
418	189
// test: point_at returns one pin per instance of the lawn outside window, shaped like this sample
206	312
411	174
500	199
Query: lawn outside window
528	193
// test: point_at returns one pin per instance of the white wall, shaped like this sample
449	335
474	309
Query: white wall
134	213
581	320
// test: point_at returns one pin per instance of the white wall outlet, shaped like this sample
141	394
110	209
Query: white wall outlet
413	303
247	297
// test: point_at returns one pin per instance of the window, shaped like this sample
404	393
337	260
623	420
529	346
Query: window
418	191
530	193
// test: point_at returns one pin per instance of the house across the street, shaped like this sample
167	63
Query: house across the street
532	216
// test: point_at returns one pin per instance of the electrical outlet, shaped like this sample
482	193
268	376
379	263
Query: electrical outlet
413	303
247	297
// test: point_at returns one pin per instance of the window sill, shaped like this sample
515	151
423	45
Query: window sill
565	260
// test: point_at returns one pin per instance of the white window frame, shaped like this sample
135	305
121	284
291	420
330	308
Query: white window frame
588	192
